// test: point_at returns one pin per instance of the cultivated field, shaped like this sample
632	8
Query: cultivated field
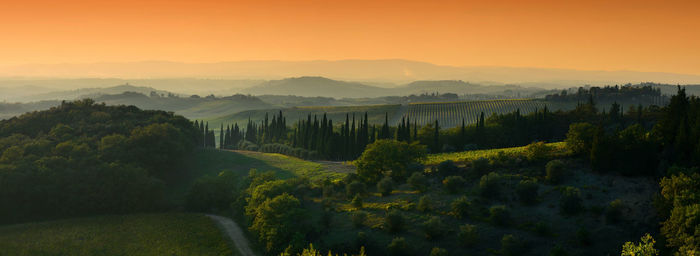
145	234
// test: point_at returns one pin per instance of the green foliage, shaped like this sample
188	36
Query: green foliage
682	227
579	138
418	181
644	248
310	251
527	191
490	185
434	228
385	186
276	221
355	188
538	151
447	167
480	166
358	218
512	245
557	250
558	149
425	204
436	251
388	158
468	235
398	247
453	183
570	202
461	207
82	158
157	234
394	221
499	215
555	171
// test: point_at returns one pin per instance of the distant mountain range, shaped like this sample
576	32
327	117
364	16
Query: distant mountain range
375	71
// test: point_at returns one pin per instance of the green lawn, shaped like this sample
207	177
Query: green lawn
145	234
464	156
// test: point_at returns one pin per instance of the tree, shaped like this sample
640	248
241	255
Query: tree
453	183
385	186
644	248
418	181
580	138
387	158
277	221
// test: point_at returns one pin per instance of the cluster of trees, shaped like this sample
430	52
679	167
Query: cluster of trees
82	158
642	93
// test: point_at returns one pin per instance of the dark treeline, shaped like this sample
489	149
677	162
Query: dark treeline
82	158
642	93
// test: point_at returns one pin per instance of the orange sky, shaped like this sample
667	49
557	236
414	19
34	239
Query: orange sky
598	35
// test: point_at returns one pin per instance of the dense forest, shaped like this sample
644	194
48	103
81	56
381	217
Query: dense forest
82	158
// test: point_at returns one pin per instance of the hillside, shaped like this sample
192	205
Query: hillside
316	87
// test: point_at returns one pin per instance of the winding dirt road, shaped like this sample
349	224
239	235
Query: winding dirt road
235	233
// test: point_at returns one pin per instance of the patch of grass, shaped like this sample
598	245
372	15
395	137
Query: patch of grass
558	149
147	234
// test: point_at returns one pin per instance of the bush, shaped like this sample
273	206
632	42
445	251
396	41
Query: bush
398	247
480	166
570	202
556	171
584	236
425	204
355	188
434	228
579	138
436	251
645	248
394	221
460	207
558	251
613	213
453	183
499	215
385	186
542	229
418	181
489	185
358	218
527	191
537	151
357	201
447	167
512	245
468	235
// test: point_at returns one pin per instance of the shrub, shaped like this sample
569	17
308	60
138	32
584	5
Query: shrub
489	185
357	201
447	167
512	245
468	235
436	251
570	202
499	215
355	188
434	228
460	207
394	221
425	204
542	229
480	167
398	247
584	236
358	218
613	213
385	186
645	248
557	250
537	151
527	191
418	181
556	171
453	183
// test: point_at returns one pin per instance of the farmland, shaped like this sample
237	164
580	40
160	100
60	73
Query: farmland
451	114
144	234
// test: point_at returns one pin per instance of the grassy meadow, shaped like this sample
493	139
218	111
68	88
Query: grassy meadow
141	234
559	148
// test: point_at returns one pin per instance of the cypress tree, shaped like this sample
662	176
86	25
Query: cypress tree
436	137
221	137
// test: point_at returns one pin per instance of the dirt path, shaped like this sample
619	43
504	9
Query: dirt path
235	233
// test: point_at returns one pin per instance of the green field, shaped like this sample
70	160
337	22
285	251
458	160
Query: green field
465	156
146	234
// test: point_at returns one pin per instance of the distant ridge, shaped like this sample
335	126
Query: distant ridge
392	70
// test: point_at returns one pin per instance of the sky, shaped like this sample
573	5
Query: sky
660	36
